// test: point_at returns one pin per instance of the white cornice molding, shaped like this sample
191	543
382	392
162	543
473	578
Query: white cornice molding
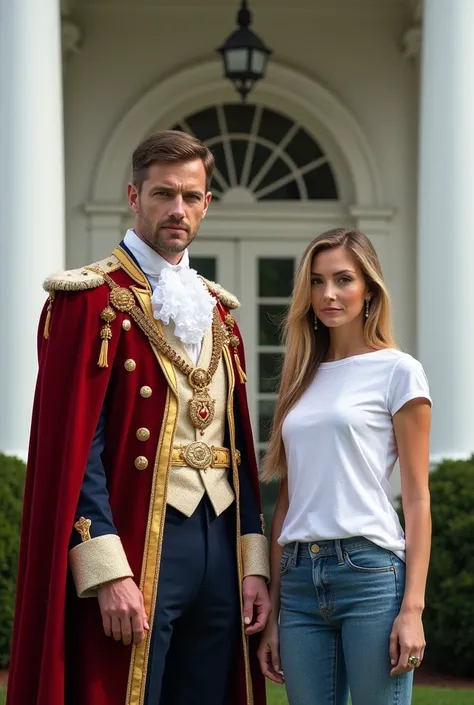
71	34
411	41
66	7
71	37
200	85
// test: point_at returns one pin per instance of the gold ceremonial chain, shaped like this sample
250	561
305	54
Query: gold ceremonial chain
201	406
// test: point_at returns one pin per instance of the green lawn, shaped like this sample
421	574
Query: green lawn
421	696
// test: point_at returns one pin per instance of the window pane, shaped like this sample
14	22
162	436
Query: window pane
269	365
276	171
274	126
270	319
269	494
219	156
239	117
321	183
215	186
275	276
205	266
239	149
266	409
286	192
260	156
303	149
204	124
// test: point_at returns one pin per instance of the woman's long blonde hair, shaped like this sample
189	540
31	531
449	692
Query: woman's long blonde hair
307	347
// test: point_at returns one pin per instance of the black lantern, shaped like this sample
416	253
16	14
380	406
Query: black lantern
245	55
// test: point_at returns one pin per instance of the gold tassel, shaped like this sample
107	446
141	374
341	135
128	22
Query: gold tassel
242	375
108	315
234	342
47	323
105	334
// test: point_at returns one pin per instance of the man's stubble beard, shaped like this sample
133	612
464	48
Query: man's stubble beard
163	244
160	243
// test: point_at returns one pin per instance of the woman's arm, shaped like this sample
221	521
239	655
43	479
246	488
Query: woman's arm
281	509
412	430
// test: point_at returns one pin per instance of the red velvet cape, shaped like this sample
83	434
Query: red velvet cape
60	655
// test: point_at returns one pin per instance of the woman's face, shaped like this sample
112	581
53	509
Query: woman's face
338	288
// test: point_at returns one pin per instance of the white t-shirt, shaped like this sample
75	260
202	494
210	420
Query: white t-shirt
341	449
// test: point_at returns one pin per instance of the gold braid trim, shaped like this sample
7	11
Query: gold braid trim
47	323
234	342
123	300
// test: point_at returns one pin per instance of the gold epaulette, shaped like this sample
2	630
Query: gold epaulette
82	278
226	297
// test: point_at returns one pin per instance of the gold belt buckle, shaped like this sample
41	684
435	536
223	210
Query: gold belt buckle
198	455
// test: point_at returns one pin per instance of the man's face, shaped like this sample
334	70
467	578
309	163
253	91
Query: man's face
170	206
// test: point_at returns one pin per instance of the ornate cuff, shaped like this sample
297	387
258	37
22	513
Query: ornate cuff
97	561
255	555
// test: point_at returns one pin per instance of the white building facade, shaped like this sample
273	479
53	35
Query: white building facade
364	119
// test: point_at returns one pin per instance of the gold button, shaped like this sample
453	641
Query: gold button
146	392
314	548
130	365
143	434
141	463
126	325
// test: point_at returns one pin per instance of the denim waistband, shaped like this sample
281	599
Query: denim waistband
331	547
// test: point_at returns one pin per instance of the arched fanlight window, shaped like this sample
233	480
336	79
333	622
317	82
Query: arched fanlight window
261	155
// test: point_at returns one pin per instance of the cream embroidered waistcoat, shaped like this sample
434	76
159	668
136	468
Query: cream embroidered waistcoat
187	486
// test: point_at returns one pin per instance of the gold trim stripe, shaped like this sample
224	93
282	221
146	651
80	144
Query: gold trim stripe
144	299
129	266
153	547
236	483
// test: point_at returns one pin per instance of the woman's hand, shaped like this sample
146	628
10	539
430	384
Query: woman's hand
406	640
269	652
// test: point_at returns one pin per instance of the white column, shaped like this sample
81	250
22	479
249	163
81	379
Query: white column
32	193
446	223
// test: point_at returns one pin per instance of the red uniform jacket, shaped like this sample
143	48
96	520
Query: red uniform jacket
59	645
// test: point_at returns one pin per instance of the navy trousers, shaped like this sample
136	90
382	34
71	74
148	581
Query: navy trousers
196	627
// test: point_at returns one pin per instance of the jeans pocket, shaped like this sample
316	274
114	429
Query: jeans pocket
369	559
284	563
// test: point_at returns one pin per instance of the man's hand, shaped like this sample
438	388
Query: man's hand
256	604
123	611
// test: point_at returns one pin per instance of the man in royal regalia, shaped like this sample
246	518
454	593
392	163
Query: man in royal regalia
143	563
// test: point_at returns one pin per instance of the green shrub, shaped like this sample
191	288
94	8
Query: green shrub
449	614
12	477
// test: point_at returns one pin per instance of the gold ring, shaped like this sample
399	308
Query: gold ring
414	661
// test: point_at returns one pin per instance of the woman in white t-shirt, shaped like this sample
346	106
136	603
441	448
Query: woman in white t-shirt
347	585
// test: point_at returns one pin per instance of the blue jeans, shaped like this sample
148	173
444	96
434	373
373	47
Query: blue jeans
339	600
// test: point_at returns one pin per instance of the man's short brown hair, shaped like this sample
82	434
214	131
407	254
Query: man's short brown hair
167	147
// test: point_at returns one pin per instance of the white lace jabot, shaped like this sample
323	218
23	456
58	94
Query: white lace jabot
179	295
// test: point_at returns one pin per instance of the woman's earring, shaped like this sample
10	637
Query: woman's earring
315	322
367	301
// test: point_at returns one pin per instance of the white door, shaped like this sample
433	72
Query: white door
266	283
260	273
215	260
